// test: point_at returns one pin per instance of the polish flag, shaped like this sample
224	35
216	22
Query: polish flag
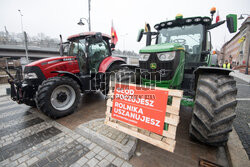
114	37
217	17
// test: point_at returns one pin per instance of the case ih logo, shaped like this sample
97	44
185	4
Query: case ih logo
153	66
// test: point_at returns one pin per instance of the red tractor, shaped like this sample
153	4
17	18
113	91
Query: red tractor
55	84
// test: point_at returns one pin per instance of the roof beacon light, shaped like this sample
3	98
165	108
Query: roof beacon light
213	10
178	16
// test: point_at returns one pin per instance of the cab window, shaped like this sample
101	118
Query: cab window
97	52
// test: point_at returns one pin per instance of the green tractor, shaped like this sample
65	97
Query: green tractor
181	59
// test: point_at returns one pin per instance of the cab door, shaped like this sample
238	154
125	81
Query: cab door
78	49
97	51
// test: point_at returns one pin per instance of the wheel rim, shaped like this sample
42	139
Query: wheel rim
63	97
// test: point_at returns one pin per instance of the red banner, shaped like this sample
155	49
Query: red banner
143	108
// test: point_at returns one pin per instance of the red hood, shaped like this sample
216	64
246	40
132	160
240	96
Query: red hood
38	62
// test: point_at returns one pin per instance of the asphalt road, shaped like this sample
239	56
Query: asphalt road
242	120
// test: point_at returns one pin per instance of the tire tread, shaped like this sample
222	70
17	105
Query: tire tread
212	124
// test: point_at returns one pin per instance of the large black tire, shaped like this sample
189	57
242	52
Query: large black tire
121	74
214	109
105	87
58	86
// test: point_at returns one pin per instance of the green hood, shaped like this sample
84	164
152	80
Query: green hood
165	47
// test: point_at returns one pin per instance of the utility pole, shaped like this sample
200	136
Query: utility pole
89	16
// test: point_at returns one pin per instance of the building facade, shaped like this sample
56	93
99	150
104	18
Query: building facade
236	49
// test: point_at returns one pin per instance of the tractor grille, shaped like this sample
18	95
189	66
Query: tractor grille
168	66
39	73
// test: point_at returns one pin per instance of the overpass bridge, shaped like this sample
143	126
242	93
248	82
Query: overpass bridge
15	52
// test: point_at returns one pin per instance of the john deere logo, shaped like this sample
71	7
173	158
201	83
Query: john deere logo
153	66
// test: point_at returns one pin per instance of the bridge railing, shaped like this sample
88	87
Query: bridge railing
31	43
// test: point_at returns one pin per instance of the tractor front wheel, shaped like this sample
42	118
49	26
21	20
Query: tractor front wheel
58	96
214	109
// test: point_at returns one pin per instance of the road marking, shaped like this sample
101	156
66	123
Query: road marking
20	126
12	108
14	117
242	85
19	146
241	99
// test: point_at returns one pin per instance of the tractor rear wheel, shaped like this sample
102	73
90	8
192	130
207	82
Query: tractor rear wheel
111	75
58	96
214	109
119	74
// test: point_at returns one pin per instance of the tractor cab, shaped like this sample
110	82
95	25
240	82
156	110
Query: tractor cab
90	49
192	37
181	46
181	59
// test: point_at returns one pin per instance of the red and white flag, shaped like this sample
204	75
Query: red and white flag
217	17
114	37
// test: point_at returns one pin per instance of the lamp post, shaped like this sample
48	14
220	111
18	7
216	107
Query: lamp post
21	19
247	60
124	37
81	23
89	16
87	20
25	37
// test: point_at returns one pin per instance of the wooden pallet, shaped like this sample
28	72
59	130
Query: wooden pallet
167	140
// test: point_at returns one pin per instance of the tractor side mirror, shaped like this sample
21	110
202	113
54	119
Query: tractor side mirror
232	22
112	46
140	34
209	43
213	60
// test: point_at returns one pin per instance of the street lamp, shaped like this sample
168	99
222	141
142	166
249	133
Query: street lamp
241	16
25	37
81	23
87	20
21	19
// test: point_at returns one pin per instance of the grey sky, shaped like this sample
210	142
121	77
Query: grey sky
54	17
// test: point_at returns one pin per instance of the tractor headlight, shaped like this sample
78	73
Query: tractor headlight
144	57
166	56
30	76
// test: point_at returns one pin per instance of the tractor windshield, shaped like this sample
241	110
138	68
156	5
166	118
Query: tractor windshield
190	36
